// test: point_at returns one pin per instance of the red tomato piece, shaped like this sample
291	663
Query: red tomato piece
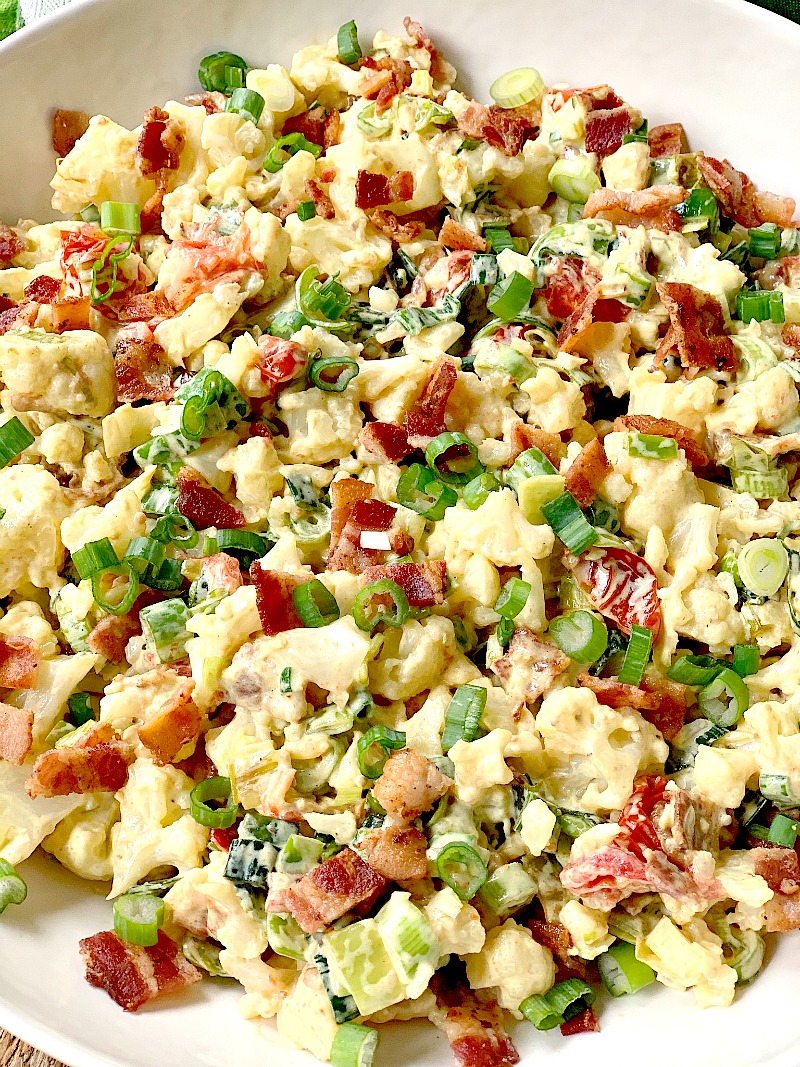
621	585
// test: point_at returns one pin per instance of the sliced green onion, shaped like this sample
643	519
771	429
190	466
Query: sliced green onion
420	490
315	604
285	323
213	73
460	866
375	747
306	210
462	719
517	87
118	218
323	303
746	659
94	556
314	528
580	635
285	937
763	565
175	529
575	823
234	78
286	680
14	438
504	359
529	464
247	104
167	578
574	180
639	135
347	44
509	888
538	1010
564	1001
429	113
783	831
637	655
116	588
621	972
79	709
477	491
695	670
533	493
13	889
569	523
513	598
762	486
138	917
760	304
458	469
504	632
648	446
725	699
106	268
164	628
510	296
765	241
415	320
299	854
603	514
161	500
354	1046
213	790
286	147
778	789
370	608
144	552
498	238
332	374
243	545
702	207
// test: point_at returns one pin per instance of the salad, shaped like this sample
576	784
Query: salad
400	550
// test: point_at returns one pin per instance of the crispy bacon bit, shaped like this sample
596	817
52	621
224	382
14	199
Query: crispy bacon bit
524	437
222	572
652	208
204	506
696	328
393	76
423	583
322	202
274	599
558	939
434	397
213	102
569	285
160	143
585	1022
374	190
310	124
141	307
11	244
61	771
782	913
475	1028
397	853
389	224
344	493
779	867
140	372
421	429
422	40
132	975
733	189
329	891
280	362
43	289
667	140
21	315
586	472
177	723
578	328
68	127
790	335
605	128
409	785
777	209
111	635
19	659
71	313
502	128
365	515
457	237
660	701
384	441
685	438
16	733
332	129
529	666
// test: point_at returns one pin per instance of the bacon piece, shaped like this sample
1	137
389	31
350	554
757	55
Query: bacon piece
19	660
595	309
274	599
20	315
503	128
779	867
329	891
790	335
204	506
774	208
475	1028
213	102
71	313
524	437
557	938
696	328
421	429
177	723
140	307
661	701
605	128
733	189
685	438
586	472
43	289
322	202
160	143
310	124
132	975
365	515
62	771
280	362
11	244
437	68
652	208
423	583
392	76
16	733
68	128
344	493
374	190
433	401
397	853
529	666
222	572
585	1022
384	441
111	635
409	785
332	130
140	372
667	140
457	237
399	232
782	913
569	285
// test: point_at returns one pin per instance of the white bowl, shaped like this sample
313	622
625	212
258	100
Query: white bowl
731	73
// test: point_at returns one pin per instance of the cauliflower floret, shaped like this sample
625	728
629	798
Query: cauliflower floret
26	619
419	655
588	929
497	530
344	248
203	319
255	466
689	958
322	426
710	616
128	427
13	280
512	963
555	405
699	266
33	505
101	166
721	774
305	1018
480	765
457	925
628	169
82	841
70	372
25	823
219	635
119	520
768	403
537	823
316	69
687	402
266	985
391	386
